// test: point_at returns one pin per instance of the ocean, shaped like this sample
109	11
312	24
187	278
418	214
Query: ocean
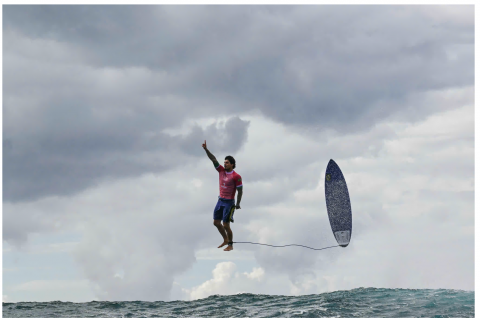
360	302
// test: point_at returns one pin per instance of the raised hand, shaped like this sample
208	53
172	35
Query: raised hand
209	154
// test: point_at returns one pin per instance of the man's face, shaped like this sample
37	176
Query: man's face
227	165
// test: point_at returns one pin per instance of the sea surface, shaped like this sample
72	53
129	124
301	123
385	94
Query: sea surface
361	302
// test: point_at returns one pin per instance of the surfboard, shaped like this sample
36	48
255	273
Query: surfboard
338	204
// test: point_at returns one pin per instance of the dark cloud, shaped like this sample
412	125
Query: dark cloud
70	162
222	137
92	94
125	73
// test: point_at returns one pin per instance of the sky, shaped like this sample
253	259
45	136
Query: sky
109	195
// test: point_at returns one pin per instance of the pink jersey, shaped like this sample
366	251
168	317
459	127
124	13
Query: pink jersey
229	182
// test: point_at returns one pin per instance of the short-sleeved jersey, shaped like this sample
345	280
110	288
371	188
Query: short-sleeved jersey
229	182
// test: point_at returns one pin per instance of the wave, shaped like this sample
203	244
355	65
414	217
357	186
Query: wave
360	302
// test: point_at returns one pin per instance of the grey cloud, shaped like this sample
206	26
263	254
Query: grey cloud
16	229
22	221
135	238
63	164
306	65
313	231
146	269
221	136
141	244
135	71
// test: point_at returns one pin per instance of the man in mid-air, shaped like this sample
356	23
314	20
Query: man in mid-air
230	181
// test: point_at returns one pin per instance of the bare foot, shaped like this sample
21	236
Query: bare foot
229	248
225	242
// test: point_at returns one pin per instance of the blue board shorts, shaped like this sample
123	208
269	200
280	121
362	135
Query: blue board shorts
224	210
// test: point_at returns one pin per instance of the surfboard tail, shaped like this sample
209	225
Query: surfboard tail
343	237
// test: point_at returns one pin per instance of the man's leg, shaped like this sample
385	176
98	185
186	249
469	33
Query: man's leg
226	226
221	229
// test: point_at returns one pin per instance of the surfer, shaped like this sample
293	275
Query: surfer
230	182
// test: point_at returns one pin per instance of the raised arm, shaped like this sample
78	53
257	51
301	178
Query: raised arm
209	154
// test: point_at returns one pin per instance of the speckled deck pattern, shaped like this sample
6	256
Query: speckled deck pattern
338	203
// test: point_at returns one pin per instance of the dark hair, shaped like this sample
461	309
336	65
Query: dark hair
231	160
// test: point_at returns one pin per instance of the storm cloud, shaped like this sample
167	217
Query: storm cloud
89	89
105	109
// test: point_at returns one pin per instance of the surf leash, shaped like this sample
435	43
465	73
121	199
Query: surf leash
288	245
